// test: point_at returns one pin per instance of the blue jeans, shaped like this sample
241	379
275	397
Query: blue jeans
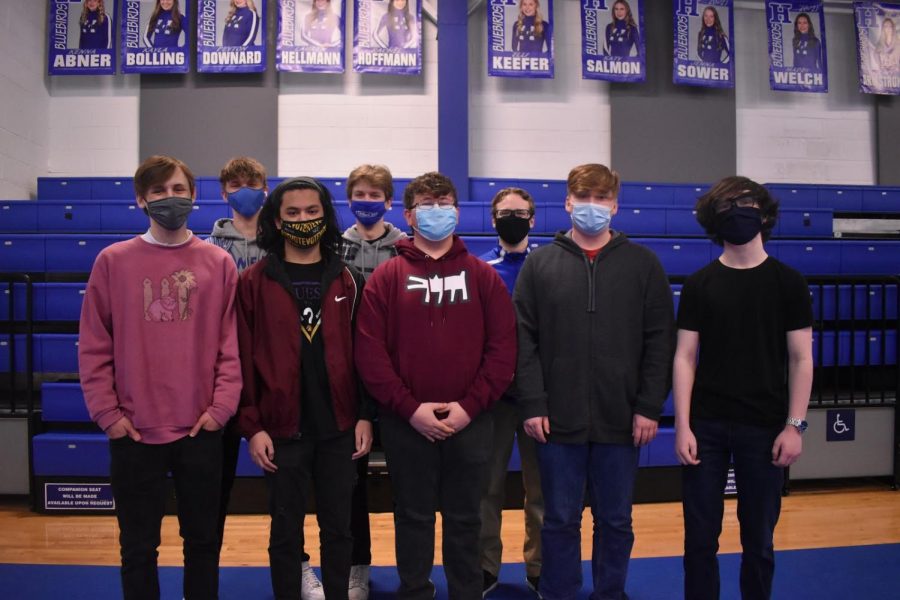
759	485
608	471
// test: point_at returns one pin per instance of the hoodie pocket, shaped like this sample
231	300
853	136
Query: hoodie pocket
567	396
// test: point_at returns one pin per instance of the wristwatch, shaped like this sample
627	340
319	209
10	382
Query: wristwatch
800	424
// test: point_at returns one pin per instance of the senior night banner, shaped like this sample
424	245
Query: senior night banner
231	36
612	34
155	36
81	37
877	47
520	38
310	36
387	36
797	45
704	46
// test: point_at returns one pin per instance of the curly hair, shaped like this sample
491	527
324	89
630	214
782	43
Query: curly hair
433	183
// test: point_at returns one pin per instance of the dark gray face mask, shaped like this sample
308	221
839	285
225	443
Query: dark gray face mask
171	213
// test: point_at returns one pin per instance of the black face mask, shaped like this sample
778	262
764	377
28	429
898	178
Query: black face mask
513	229
303	234
738	225
171	213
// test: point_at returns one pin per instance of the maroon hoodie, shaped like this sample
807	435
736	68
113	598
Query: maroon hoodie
435	331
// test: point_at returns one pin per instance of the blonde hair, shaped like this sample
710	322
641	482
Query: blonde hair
538	19
100	9
233	9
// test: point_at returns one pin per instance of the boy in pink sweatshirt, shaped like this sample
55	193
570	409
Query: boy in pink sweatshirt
158	360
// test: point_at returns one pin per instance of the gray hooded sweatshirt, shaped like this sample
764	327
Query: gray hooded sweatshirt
365	255
244	252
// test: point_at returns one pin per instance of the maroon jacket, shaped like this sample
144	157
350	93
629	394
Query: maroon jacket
435	331
269	339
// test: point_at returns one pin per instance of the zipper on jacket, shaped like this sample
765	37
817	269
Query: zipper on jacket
590	275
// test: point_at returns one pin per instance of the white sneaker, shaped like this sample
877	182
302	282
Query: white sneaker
310	586
359	582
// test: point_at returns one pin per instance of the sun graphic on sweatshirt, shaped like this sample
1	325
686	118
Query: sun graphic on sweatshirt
184	279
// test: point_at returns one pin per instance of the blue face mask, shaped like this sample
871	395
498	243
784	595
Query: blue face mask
590	219
366	212
247	201
437	223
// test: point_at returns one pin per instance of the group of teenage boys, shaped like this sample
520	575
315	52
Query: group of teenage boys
300	338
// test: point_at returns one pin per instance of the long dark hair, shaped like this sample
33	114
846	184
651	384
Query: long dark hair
720	31
268	237
176	17
811	33
722	193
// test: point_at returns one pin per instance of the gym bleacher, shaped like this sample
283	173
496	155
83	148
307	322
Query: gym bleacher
48	245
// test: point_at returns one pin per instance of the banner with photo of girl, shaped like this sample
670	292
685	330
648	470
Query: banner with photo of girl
155	36
310	36
704	43
797	45
387	37
877	47
81	37
231	36
520	38
612	40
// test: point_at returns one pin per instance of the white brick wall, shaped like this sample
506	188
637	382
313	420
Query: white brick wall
536	128
328	124
800	137
24	101
93	126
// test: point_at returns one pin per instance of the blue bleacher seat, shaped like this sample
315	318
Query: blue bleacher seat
71	454
640	220
840	198
686	194
20	352
245	465
662	449
22	252
69	216
336	185
400	184
881	199
76	253
18	215
63	402
120	216
680	257
681	221
543	191
646	193
557	219
810	257
794	195
273	182
805	222
483	189
112	188
474	217
59	352
676	295
881	347
208	188
828	305
64	188
881	257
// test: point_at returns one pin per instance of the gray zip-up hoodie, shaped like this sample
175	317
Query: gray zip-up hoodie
244	252
596	339
366	255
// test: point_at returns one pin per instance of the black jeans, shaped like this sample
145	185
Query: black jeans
759	485
324	466
138	475
450	476
231	446
359	516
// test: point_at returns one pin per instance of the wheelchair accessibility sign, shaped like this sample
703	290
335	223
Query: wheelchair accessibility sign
841	426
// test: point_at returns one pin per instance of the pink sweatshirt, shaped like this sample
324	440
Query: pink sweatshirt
158	337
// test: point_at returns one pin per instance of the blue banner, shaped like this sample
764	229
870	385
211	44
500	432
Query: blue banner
877	47
81	37
231	36
612	40
797	57
387	37
155	36
704	44
520	38
310	36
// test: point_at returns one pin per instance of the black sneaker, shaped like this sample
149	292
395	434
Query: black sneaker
490	584
534	584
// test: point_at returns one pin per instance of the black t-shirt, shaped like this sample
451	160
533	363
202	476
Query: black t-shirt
743	316
316	411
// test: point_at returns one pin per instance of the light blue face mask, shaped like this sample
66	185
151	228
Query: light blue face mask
590	219
437	223
247	201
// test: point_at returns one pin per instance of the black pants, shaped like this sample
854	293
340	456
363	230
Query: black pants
138	474
326	467
759	485
450	476
359	516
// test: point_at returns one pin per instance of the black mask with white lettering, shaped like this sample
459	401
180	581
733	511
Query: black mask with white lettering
303	234
171	213
512	229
